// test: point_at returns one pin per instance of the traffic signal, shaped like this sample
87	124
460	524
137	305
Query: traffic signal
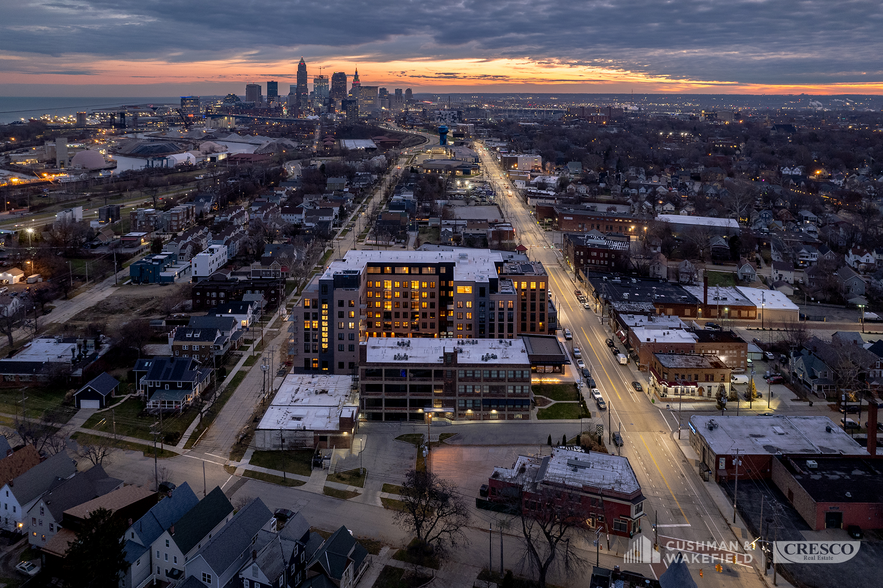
719	568
700	572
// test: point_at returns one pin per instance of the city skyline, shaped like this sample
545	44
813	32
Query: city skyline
91	47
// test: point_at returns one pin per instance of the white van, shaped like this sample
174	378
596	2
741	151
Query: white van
739	379
622	359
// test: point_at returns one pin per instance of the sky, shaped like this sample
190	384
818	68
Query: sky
212	47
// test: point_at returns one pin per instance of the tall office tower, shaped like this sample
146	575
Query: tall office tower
303	93
320	88
338	85
351	107
357	85
272	91
253	93
190	106
409	96
368	99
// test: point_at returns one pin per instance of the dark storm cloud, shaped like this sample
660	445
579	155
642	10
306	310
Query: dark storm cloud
767	42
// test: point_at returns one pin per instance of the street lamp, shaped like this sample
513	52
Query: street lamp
30	233
862	306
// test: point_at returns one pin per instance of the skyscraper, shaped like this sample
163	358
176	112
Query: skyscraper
253	93
409	96
320	87
190	106
338	85
272	91
303	92
357	86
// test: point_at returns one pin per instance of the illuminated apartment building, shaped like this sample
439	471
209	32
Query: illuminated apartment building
464	293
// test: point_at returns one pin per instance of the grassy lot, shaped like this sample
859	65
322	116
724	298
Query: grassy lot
293	462
350	478
127	420
565	392
147	450
392	504
45	400
562	411
723	279
391	489
271	479
325	258
415	439
290	285
428	234
250	360
209	417
335	493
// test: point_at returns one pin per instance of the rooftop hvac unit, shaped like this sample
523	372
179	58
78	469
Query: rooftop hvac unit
812	464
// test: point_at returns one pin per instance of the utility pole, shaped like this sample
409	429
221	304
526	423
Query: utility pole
203	479
501	550
156	460
737	461
490	546
282	447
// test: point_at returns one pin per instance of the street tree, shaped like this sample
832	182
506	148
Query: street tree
549	529
97	449
135	334
433	511
97	557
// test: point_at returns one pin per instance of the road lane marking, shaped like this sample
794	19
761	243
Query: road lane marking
665	420
675	525
227	482
650	453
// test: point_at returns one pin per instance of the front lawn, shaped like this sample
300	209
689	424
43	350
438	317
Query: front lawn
341	494
129	420
298	461
562	411
350	478
564	392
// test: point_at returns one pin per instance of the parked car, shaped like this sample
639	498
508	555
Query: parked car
769	355
849	409
577	292
601	404
483	491
854	531
637	386
849	424
580	364
610	342
577	353
568	335
775	379
587	306
595	394
590	383
617	439
713	327
28	567
879	426
587	375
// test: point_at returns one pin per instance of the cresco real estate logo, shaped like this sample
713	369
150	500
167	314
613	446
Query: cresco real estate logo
814	552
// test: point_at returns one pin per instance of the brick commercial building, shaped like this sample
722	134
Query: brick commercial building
436	294
696	376
725	345
470	379
594	251
578	220
220	288
758	439
602	489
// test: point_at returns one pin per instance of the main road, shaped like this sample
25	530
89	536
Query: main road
676	495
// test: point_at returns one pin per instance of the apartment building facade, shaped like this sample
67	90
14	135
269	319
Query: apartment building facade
464	379
414	294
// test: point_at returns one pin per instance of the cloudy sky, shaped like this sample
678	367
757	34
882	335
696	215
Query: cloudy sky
174	47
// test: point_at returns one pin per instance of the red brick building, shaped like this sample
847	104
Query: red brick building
602	488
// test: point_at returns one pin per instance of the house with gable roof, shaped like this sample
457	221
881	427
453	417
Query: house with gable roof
19	494
341	559
44	517
177	544
283	560
221	558
96	392
172	383
860	259
745	271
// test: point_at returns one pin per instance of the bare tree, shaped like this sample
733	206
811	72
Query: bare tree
796	335
42	433
97	449
135	334
433	511
549	527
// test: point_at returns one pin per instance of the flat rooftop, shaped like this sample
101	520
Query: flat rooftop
651	321
310	403
768	299
628	289
48	349
724	296
577	469
702	221
757	435
489	352
476	265
838	479
485	213
706	336
656	335
693	361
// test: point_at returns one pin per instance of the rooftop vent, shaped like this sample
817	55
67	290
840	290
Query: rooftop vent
812	464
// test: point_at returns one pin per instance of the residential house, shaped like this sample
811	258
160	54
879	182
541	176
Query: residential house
19	494
806	255
244	313
229	328
231	237
222	556
205	202
783	272
45	516
173	383
202	345
849	282
142	538
209	261
745	271
341	560
128	502
15	463
860	259
10	305
688	273
813	373
96	392
182	540
719	248
806	217
659	266
283	559
234	215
